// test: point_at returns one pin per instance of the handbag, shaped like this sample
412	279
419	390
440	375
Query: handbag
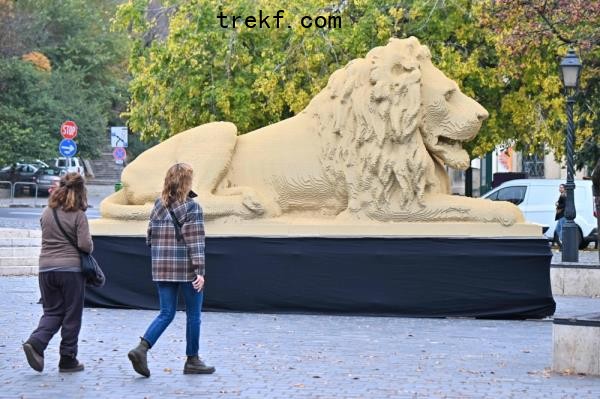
90	268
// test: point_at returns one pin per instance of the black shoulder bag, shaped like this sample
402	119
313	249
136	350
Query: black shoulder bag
89	266
176	224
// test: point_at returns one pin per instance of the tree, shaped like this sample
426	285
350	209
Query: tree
188	70
200	71
60	61
533	35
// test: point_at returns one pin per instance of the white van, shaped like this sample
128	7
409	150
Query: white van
537	200
74	166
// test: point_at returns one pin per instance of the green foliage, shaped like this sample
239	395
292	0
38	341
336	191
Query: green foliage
252	77
200	72
33	106
86	83
532	37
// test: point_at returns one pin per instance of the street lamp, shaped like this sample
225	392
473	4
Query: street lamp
570	67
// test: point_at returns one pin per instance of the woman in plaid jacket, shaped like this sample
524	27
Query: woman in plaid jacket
176	237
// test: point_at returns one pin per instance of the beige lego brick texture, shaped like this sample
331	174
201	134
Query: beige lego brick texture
366	156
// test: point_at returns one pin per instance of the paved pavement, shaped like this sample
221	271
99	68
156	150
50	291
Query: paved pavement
589	257
295	356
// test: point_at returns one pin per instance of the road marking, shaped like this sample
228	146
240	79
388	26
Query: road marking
25	213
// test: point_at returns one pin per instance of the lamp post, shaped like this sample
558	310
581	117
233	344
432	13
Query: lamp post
570	69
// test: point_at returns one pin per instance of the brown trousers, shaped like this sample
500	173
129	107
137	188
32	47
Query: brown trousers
62	300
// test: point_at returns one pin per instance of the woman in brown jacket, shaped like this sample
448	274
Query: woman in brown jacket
61	282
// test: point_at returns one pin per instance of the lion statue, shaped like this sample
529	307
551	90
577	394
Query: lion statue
371	146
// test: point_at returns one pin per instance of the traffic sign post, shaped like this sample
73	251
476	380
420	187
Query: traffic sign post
68	130
119	154
67	148
118	136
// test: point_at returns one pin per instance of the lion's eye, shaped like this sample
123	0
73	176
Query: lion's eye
448	94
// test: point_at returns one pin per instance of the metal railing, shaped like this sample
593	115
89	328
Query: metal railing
10	185
24	183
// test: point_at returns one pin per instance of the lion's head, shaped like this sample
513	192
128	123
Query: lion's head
449	118
387	119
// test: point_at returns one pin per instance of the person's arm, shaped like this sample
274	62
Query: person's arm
149	231
84	238
193	235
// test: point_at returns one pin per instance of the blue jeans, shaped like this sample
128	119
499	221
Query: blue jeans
167	294
559	227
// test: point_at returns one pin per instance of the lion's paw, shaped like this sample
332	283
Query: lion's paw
508	214
253	205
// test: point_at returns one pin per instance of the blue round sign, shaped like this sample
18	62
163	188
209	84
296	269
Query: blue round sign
67	148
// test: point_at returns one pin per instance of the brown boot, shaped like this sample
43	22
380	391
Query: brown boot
34	358
139	358
193	365
69	364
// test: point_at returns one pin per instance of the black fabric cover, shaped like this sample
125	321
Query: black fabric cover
424	277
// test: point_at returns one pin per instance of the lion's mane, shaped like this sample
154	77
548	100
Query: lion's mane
369	117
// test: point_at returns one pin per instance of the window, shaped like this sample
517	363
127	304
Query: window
493	197
62	163
515	194
533	162
49	172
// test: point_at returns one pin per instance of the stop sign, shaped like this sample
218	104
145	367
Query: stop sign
68	130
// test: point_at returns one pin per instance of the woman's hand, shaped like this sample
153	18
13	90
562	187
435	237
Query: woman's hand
198	283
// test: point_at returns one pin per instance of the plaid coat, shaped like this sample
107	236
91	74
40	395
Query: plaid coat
172	260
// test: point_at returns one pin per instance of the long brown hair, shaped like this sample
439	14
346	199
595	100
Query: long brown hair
178	183
70	195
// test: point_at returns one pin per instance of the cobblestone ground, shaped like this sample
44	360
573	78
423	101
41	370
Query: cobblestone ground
294	356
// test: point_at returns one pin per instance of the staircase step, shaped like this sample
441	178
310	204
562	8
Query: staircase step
20	242
18	270
19	251
106	170
18	261
19	233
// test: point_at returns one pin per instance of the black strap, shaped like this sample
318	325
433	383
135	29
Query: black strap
63	230
176	224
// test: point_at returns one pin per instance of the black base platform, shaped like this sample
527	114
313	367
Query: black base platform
417	277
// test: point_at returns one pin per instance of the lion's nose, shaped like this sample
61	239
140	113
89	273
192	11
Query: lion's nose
482	114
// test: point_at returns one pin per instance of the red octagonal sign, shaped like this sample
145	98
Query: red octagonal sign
68	130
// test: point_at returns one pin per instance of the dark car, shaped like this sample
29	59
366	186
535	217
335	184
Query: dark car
19	173
47	178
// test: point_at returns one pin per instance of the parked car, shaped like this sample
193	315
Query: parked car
19	173
537	200
48	178
74	166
